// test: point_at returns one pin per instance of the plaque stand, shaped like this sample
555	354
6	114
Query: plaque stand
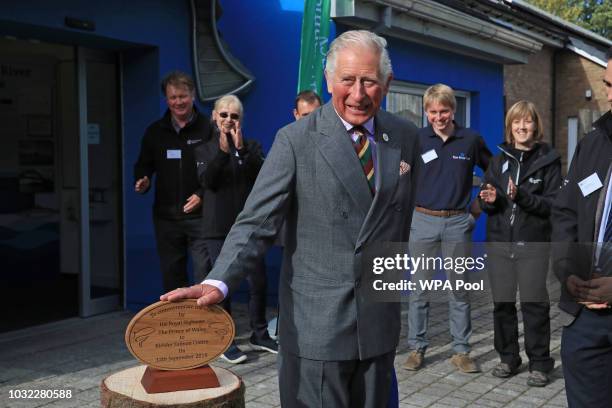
155	381
124	389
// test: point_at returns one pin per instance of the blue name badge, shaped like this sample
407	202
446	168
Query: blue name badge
173	154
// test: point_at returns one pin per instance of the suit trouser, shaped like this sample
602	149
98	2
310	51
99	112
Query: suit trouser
257	281
174	238
509	269
432	236
305	383
586	353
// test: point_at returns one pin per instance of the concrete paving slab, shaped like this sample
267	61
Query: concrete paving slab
76	354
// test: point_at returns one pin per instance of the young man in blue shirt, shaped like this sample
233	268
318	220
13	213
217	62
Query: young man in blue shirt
441	219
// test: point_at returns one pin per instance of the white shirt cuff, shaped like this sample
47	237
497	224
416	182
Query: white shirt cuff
217	284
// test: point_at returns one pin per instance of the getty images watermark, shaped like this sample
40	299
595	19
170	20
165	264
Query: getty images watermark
403	262
489	271
391	272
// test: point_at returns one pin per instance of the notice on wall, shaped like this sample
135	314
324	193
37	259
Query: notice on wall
28	144
39	126
34	100
93	133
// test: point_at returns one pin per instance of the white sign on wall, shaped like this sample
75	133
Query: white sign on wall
93	133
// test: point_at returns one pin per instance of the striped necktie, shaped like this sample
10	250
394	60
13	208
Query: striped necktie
364	152
605	257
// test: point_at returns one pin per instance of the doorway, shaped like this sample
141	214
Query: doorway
60	153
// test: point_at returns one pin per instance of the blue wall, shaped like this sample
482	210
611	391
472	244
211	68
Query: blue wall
154	37
484	81
267	41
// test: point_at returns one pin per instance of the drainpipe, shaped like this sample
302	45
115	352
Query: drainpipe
553	93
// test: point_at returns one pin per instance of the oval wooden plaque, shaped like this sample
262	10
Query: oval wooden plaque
179	335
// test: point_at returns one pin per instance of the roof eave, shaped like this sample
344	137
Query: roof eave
439	26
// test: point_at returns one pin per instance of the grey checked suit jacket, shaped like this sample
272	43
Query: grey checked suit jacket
313	180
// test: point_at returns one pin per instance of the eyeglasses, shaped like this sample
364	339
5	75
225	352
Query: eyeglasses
233	116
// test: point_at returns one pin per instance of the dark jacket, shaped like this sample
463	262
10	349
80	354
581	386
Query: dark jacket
227	180
526	219
176	177
576	218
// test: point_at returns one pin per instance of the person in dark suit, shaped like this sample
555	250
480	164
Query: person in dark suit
582	260
341	178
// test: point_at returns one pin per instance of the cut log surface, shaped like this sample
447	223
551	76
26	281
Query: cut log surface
124	390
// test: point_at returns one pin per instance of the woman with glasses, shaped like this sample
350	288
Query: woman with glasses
519	187
228	165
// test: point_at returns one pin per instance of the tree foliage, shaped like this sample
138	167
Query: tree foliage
594	15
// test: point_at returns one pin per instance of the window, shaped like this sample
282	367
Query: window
406	100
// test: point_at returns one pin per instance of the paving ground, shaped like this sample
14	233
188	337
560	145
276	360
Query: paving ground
76	354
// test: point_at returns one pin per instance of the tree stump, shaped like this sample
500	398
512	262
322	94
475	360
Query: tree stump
124	390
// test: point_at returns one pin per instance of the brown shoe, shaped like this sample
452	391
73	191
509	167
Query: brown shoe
464	363
414	361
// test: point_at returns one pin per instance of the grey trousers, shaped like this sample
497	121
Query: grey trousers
308	383
433	236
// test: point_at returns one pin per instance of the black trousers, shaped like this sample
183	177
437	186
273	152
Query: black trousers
586	353
257	288
526	269
175	238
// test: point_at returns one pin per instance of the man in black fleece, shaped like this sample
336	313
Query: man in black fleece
167	151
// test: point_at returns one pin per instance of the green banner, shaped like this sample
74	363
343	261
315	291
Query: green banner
315	34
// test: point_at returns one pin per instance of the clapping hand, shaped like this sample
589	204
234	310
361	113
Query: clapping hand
236	133
512	189
488	194
142	184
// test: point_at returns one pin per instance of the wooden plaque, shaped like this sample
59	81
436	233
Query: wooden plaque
179	335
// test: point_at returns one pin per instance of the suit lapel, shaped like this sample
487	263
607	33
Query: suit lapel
335	146
388	158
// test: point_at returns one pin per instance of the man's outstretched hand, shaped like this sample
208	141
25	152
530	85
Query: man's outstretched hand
206	294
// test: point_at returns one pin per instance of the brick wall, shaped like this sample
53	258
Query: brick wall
532	82
575	75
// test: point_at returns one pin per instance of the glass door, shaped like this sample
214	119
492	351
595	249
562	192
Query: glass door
100	223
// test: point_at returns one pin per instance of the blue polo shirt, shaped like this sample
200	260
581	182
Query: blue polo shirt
445	176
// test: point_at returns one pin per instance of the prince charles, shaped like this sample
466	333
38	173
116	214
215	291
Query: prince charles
341	178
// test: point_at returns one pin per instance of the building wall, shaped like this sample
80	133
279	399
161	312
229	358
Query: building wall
575	75
154	38
533	82
482	79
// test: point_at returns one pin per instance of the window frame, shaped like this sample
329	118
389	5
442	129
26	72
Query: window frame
416	89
